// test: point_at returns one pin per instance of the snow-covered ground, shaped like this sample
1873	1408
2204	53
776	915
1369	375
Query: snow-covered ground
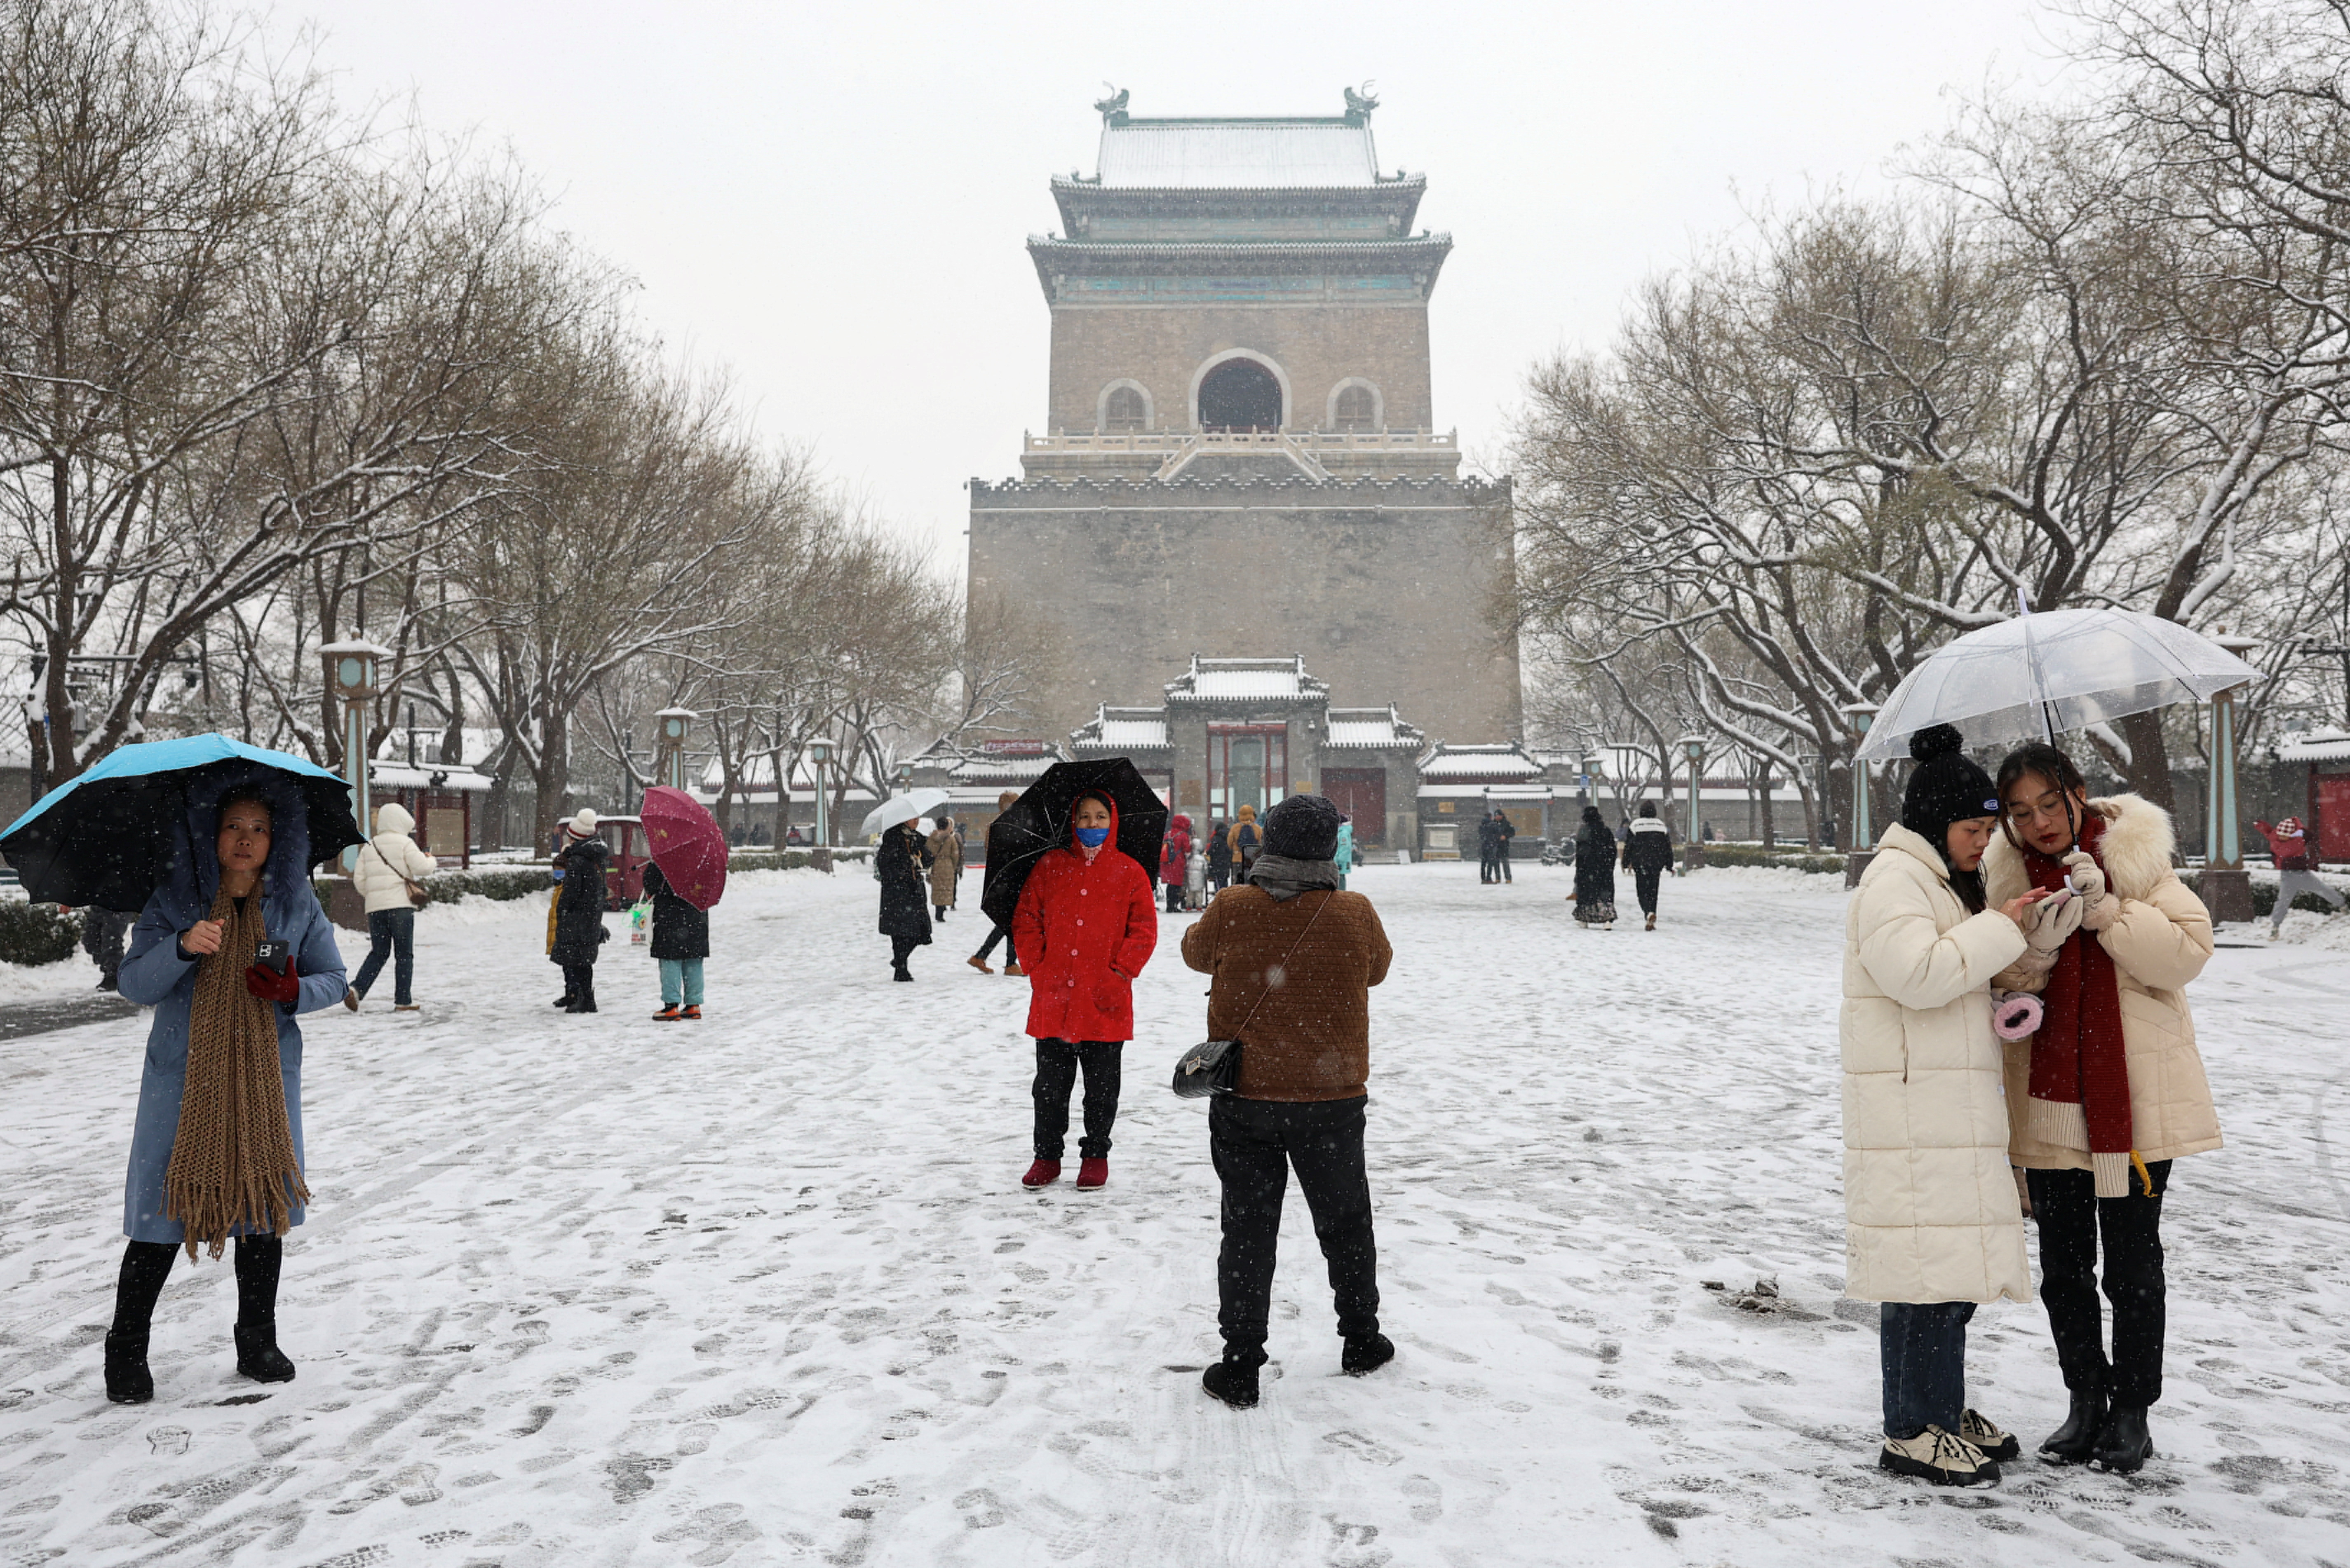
592	1291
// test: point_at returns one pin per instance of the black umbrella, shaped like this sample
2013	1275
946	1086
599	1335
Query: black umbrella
1039	820
108	838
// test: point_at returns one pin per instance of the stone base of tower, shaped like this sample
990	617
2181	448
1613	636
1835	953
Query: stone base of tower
1392	590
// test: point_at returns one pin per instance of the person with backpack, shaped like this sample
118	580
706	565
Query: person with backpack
1174	861
389	874
1649	854
1247	842
1220	858
681	941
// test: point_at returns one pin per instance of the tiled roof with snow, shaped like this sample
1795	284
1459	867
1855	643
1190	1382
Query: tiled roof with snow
1123	735
1246	681
1268	154
1489	761
2325	745
1369	729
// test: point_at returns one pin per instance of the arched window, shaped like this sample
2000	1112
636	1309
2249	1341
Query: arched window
1240	395
1356	409
1124	410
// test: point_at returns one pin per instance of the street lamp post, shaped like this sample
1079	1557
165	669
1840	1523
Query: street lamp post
1694	752
668	761
1864	830
2225	886
351	667
819	752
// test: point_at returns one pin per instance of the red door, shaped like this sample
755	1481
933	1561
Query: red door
2333	791
1362	794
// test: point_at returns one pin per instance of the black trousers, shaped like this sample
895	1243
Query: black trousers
900	950
1000	933
1057	1073
2075	1223
1254	1143
1644	882
580	984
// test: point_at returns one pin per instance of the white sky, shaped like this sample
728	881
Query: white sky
832	201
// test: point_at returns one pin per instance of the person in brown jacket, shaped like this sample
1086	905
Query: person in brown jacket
1294	961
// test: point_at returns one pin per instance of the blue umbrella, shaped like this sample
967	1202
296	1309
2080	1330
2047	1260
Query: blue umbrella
112	836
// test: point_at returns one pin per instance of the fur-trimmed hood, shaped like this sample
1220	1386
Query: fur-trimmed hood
2136	850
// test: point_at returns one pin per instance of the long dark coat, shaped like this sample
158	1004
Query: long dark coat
905	902
680	931
1594	870
579	902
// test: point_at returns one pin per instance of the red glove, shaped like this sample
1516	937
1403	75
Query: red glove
271	986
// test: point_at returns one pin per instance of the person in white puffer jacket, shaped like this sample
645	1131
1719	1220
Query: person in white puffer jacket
1933	1223
387	863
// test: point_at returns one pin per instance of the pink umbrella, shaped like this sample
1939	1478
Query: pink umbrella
686	844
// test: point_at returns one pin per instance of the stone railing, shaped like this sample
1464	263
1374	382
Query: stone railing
1174	442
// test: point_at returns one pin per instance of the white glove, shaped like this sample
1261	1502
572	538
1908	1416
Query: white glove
2049	922
2097	908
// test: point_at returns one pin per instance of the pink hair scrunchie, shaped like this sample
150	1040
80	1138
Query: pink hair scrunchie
2015	1015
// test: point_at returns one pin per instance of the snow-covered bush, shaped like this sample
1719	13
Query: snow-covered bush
36	933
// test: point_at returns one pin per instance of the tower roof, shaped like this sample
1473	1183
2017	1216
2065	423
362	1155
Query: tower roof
1253	154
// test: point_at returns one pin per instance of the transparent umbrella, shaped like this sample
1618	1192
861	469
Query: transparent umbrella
904	807
2039	675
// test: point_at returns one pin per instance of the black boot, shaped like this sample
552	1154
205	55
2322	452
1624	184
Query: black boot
564	1002
258	1261
2125	1445
1366	1353
1233	1382
2070	1443
901	972
145	1266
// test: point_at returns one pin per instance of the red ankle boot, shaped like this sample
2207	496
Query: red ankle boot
1092	1173
1044	1173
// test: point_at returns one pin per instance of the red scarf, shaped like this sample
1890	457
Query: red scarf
2077	1056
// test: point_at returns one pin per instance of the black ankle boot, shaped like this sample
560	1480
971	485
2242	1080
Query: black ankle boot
1366	1353
1233	1382
2070	1443
2125	1445
257	1356
127	1381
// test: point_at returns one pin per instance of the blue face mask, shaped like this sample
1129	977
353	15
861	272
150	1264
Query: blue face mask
1092	837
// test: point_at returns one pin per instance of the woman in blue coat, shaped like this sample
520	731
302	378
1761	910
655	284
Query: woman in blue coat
217	1149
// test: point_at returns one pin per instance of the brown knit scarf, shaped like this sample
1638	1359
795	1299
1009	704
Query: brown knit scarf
233	1163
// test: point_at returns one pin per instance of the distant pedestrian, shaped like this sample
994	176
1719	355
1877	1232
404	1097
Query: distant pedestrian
1220	858
1085	926
102	934
1649	854
390	866
1932	1223
1595	871
580	932
1489	849
2296	863
905	916
1174	861
978	961
1247	841
1293	960
1343	858
1195	877
680	943
944	851
1505	830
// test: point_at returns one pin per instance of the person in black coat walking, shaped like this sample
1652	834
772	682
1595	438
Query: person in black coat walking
1648	854
905	901
1594	870
1220	858
681	941
579	933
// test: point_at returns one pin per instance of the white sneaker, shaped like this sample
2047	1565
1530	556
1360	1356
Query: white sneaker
1936	1456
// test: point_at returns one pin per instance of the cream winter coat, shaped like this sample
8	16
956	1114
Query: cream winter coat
2160	940
1931	1208
389	861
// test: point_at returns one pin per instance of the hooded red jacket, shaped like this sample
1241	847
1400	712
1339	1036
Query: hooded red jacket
1083	932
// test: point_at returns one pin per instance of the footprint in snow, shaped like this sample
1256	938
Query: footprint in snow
1363	1448
167	1441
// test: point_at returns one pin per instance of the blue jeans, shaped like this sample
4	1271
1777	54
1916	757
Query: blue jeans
392	934
1924	1349
681	981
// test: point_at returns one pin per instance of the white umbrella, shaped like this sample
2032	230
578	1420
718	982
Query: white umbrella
2064	670
904	807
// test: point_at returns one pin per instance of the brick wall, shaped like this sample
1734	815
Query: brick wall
1316	346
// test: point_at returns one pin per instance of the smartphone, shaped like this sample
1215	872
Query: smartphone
2058	897
272	955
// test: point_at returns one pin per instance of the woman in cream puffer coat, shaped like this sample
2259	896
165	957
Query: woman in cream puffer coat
386	864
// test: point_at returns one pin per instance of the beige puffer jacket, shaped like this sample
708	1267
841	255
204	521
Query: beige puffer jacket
1930	1210
2160	940
389	861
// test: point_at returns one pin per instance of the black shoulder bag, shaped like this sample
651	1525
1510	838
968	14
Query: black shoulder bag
1213	1066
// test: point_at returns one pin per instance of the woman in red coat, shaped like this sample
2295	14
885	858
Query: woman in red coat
1083	927
1173	862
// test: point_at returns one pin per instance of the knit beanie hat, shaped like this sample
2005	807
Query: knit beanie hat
1302	828
1945	787
583	824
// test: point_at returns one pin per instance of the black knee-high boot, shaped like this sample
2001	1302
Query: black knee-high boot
145	1266
258	1259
